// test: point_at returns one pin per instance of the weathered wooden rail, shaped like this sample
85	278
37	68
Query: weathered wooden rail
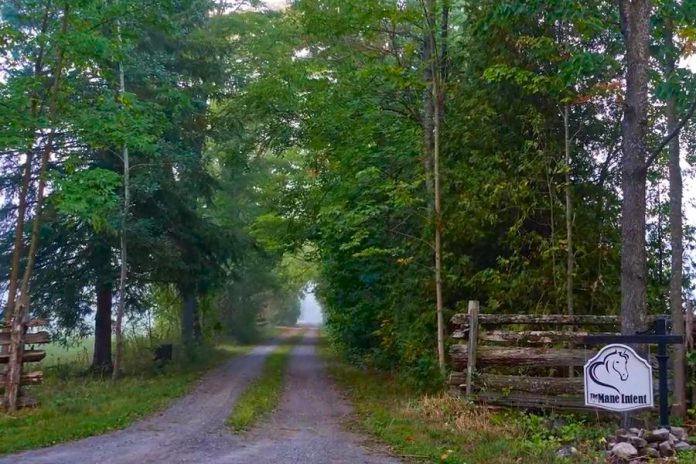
524	360
30	355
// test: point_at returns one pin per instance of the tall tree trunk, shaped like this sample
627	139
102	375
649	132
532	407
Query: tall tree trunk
635	15
101	361
660	271
444	46
439	92
21	306
18	247
570	254
188	315
438	229
428	118
570	261
123	278
197	319
676	231
21	310
433	105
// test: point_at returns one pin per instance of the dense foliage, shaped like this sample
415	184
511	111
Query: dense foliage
191	251
346	86
274	148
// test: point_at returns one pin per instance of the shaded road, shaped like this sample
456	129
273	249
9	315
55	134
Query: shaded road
305	429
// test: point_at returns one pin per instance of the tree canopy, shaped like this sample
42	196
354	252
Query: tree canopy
516	153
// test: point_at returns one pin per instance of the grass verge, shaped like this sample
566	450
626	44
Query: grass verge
75	405
450	430
262	396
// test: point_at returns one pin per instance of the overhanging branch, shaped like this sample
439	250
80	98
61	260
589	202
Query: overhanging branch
671	135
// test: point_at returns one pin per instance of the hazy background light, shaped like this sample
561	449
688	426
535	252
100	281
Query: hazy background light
310	309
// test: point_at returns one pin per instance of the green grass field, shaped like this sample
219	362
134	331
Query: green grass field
79	352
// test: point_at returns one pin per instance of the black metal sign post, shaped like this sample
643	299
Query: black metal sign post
660	337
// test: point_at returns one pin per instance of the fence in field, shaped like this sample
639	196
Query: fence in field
524	360
31	355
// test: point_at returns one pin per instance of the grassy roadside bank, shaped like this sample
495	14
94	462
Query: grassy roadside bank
77	405
444	429
262	396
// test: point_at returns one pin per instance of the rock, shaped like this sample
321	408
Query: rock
566	452
625	451
672	439
682	446
636	432
653	445
666	449
657	435
637	442
650	452
679	432
623	437
558	423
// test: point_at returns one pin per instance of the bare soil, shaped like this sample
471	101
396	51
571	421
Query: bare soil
306	428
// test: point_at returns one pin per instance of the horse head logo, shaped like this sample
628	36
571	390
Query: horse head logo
610	369
619	364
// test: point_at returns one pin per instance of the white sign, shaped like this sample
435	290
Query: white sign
618	379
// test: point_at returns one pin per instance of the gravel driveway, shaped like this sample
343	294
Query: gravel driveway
305	429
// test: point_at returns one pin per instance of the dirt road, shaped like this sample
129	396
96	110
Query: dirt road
305	429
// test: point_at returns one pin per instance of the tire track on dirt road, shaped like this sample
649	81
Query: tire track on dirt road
307	426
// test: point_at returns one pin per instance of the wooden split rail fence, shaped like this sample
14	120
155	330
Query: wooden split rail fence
524	360
31	355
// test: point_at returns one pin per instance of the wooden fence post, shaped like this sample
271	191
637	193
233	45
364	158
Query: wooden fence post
13	398
473	338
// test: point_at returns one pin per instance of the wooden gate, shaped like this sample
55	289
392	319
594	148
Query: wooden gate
524	360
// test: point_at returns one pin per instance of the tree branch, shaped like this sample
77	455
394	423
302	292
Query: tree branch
604	170
412	237
671	135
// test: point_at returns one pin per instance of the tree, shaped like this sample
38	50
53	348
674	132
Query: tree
635	27
20	306
359	185
671	55
26	177
160	121
215	144
123	277
434	62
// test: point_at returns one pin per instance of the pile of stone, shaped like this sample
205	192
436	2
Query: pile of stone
636	445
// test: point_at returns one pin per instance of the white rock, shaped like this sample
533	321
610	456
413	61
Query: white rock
657	435
679	432
638	442
666	449
682	446
624	451
566	452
